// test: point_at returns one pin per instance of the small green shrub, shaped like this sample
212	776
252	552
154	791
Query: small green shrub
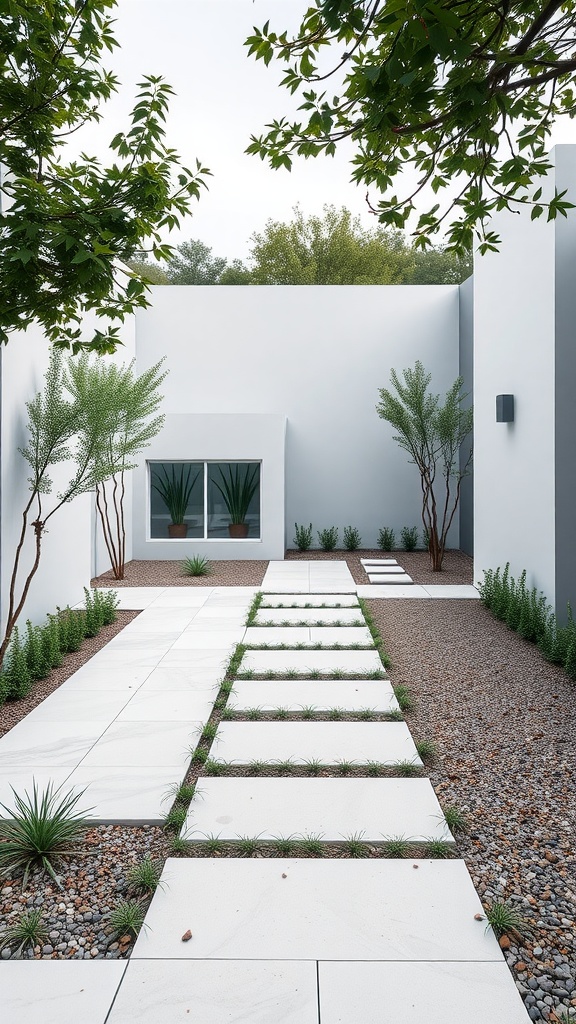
127	917
51	641
409	535
303	538
503	918
328	538
352	538
41	828
145	876
17	671
196	566
38	664
29	930
455	818
386	539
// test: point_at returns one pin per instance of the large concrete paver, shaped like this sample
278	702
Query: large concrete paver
320	694
279	908
218	992
58	991
308	616
328	742
332	808
303	662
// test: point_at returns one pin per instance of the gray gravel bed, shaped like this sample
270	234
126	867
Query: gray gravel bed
76	916
503	721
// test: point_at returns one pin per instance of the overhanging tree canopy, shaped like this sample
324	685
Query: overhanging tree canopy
462	92
65	227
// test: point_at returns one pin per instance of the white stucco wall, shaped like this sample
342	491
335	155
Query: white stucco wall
316	356
65	562
515	301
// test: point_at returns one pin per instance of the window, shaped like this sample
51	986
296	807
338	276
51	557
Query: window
205	500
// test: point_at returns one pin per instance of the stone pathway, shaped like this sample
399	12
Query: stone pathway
274	940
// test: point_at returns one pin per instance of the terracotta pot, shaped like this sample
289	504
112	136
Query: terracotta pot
238	529
177	529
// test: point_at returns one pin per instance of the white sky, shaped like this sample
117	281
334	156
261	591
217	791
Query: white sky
223	97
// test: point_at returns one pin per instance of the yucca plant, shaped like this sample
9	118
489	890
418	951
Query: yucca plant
41	828
238	486
29	930
175	489
197	565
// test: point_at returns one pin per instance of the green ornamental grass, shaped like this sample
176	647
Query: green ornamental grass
41	828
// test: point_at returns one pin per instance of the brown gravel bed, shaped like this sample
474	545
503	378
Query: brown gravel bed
332	851
457	568
272	771
148	573
314	716
75	916
503	721
14	711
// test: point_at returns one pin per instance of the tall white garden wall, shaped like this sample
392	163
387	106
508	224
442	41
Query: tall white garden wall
524	342
315	358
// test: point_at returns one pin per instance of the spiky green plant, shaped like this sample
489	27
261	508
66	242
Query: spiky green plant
127	917
355	845
28	930
41	828
237	488
396	846
196	565
402	694
503	918
455	818
427	750
144	877
175	488
439	849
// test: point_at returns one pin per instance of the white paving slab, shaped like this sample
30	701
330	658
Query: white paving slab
328	742
35	744
314	600
311	575
385	570
386	580
277	635
124	677
409	591
142	643
145	744
331	808
355	662
446	590
182	677
169	706
322	694
133	598
201	639
340	635
127	795
409	993
80	706
58	991
378	561
218	992
323	909
309	616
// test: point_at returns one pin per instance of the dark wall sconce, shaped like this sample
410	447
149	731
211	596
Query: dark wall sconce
505	408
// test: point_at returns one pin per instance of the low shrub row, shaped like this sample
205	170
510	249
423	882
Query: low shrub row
328	538
33	654
528	613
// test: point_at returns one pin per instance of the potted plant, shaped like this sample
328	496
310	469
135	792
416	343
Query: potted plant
175	489
237	489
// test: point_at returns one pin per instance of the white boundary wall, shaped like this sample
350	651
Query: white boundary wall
316	356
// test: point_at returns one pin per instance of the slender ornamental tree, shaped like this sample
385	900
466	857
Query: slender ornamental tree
431	432
68	228
464	94
131	404
96	417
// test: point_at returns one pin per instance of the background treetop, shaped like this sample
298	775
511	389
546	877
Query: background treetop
67	228
463	93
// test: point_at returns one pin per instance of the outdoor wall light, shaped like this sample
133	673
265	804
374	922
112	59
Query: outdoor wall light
505	408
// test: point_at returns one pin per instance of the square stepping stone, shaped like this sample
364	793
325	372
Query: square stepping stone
388	580
409	993
301	600
244	909
328	742
58	991
126	795
330	808
322	694
310	616
354	662
218	992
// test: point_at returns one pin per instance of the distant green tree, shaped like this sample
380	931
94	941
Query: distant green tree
437	265
332	249
193	263
150	272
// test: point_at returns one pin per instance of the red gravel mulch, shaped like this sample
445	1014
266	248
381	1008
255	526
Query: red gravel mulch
149	573
457	568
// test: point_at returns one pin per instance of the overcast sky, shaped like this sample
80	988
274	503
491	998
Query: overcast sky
223	97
